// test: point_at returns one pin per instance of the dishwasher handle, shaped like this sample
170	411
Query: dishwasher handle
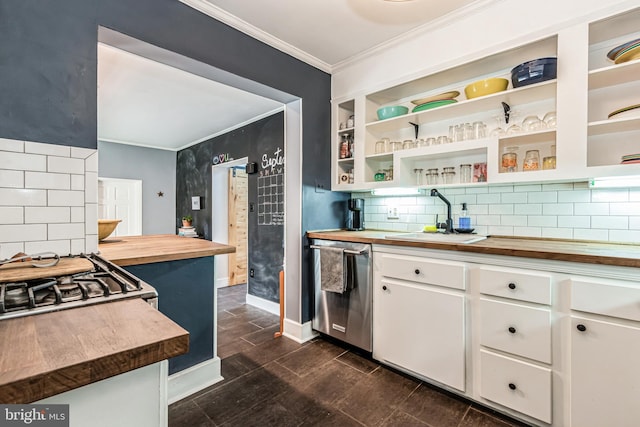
346	251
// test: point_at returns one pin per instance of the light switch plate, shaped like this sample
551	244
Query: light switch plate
392	212
195	203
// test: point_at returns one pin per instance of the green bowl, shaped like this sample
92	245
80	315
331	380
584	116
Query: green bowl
391	111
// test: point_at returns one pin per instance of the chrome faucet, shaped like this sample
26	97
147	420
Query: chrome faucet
449	223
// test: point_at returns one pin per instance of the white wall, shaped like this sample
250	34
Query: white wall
48	198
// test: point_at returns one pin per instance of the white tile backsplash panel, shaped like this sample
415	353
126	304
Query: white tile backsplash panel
47	198
551	210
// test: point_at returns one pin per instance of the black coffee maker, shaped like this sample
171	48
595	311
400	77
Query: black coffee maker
355	214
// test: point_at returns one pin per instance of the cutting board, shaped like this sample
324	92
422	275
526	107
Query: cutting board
21	271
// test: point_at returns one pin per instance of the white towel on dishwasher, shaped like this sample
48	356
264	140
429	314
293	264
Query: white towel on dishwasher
332	269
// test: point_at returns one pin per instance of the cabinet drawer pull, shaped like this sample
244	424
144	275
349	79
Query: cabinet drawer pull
384	288
512	285
581	327
512	329
512	386
417	271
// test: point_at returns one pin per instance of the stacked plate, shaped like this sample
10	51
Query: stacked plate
631	110
435	101
630	159
625	52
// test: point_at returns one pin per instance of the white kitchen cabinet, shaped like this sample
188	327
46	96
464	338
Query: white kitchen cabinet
605	378
421	329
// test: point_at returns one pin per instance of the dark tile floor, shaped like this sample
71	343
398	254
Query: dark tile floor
278	382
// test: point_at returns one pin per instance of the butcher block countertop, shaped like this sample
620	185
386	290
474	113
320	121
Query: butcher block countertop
47	354
135	250
625	255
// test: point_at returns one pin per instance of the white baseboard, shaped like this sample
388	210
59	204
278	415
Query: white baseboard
298	332
191	380
221	282
270	306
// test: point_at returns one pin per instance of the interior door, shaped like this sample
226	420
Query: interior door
238	225
121	199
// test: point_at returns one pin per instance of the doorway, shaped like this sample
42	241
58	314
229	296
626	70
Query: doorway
238	228
121	199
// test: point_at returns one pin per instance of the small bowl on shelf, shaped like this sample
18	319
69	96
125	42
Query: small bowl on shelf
486	87
391	111
534	71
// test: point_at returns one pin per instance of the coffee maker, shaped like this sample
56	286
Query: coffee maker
355	214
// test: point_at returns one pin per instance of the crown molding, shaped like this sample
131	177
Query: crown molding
255	32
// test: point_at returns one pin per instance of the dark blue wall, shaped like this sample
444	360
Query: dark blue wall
48	78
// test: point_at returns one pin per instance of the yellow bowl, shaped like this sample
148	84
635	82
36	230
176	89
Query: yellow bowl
106	227
486	87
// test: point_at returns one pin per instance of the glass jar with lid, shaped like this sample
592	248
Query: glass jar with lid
509	160
531	161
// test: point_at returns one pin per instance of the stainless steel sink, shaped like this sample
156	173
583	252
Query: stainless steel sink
437	237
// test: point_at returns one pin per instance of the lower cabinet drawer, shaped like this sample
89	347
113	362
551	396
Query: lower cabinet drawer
614	298
449	274
518	385
514	328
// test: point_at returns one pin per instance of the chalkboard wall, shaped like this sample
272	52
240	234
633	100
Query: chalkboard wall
262	142
48	78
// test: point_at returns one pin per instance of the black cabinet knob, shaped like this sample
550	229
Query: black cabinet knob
512	285
384	288
512	386
417	271
512	329
581	327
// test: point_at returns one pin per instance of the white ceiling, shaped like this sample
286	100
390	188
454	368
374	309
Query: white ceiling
327	33
147	103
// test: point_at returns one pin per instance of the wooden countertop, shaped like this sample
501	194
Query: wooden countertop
47	354
134	250
618	254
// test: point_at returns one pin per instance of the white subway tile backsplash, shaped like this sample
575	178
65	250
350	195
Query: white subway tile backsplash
77	246
7	250
77	213
65	165
22	197
515	220
49	181
47	215
91	243
22	232
48	149
65	198
590	234
583	196
610	222
627	208
625	236
82	153
610	195
557	209
488	199
480	189
542	221
513	198
557	233
66	231
634	222
501	209
591	208
61	247
11	145
557	186
573	221
501	189
77	182
543	197
469	199
634	195
22	161
527	188
486	220
11	178
528	209
500	230
12	215
527	231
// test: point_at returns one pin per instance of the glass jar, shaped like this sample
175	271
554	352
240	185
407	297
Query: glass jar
418	173
465	173
432	176
531	161
549	163
379	175
510	160
408	144
388	174
381	147
396	146
448	177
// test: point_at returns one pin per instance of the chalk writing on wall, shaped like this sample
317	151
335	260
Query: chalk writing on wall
271	189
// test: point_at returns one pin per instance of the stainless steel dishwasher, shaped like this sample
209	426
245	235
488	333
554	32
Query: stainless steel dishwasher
343	309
